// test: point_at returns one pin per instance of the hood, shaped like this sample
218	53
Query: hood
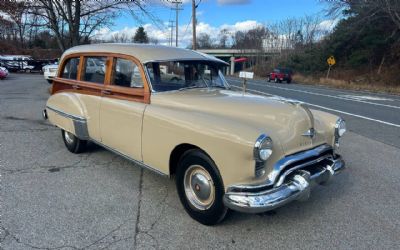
283	121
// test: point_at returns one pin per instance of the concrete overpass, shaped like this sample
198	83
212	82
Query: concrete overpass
229	55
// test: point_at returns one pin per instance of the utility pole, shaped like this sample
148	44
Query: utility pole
171	37
177	9
194	22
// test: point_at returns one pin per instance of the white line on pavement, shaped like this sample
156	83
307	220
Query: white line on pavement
330	109
328	89
313	93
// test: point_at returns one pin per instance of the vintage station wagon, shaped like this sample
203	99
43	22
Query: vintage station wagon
171	110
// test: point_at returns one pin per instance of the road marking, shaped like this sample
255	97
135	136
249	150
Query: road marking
329	89
367	97
330	109
313	93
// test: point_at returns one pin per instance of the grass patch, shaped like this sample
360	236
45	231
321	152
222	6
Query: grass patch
347	84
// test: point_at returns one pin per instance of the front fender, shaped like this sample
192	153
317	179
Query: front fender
227	141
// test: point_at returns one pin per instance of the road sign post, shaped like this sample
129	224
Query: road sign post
245	75
331	61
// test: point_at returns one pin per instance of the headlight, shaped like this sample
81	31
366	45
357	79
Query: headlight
340	127
262	148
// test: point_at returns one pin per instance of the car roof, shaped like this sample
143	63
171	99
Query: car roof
144	52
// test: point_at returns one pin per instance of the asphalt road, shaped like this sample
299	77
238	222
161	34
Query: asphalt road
52	199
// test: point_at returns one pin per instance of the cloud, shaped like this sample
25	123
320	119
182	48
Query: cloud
185	31
232	2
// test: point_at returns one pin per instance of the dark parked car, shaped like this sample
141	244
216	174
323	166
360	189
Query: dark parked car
280	75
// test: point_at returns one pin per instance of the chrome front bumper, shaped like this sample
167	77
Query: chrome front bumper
296	186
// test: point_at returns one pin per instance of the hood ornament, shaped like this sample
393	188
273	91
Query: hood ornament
310	133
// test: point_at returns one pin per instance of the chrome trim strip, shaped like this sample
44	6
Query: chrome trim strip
74	117
309	113
216	60
141	164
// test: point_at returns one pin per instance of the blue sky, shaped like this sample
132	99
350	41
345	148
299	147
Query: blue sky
212	15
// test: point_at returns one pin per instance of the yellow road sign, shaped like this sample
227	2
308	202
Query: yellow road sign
331	61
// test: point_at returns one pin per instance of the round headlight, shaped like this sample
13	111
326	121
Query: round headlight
262	148
340	127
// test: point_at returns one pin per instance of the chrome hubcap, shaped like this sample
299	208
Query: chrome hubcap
199	187
69	138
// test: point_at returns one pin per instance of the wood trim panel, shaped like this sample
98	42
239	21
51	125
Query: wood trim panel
107	89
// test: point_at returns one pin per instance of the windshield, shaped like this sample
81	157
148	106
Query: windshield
180	75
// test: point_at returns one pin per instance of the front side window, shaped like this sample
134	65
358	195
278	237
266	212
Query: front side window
126	74
179	75
95	69
70	70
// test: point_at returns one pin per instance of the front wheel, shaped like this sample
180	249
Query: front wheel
73	143
200	188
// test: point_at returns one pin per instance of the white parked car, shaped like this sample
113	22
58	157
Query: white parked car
50	71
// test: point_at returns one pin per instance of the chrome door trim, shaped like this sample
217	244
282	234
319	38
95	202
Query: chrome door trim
67	115
141	164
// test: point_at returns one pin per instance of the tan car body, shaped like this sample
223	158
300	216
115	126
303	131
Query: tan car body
224	124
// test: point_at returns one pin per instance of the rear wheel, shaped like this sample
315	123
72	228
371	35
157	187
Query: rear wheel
200	188
73	143
288	81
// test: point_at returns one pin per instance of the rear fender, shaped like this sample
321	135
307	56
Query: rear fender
67	112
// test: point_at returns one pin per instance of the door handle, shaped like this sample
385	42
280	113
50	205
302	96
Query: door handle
106	92
76	87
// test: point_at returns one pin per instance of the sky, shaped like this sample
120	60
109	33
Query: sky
213	16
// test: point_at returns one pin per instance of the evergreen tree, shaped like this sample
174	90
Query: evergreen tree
140	36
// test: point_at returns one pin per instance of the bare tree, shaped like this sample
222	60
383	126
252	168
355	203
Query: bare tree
73	22
204	41
119	38
17	14
223	39
153	40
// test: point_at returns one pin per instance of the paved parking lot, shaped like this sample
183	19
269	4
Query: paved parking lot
52	199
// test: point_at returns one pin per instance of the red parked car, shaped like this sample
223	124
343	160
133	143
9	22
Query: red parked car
280	75
3	73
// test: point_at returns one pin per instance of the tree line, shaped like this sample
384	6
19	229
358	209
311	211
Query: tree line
59	24
364	40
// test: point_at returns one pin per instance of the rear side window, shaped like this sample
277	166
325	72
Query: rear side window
71	68
95	69
126	74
